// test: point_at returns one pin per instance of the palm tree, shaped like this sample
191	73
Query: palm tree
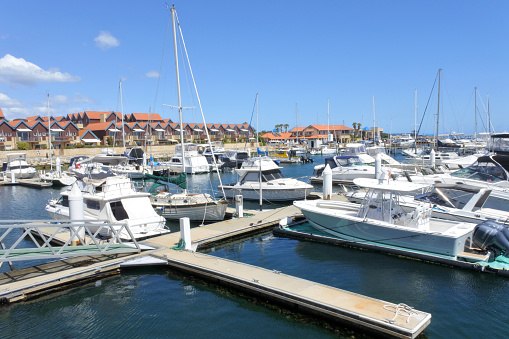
286	127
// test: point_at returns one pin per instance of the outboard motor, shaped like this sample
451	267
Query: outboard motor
492	236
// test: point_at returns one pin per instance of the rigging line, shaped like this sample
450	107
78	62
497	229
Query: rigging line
250	121
199	103
426	108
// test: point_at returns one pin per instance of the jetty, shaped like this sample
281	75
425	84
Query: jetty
353	310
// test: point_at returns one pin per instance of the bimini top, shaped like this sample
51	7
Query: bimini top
385	185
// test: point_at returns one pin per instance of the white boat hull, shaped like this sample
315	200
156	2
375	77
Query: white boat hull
348	226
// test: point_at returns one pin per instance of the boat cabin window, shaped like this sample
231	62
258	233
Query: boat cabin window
381	205
63	200
272	175
93	204
251	176
118	210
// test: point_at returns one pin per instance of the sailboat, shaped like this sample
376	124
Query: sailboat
57	177
197	207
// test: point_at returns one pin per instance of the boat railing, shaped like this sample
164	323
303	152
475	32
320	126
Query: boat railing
84	237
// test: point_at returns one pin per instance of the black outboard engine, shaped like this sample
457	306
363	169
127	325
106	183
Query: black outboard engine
492	236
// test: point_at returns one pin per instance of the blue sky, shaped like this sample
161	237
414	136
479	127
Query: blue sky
289	52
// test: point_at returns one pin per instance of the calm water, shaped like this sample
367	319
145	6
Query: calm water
156	302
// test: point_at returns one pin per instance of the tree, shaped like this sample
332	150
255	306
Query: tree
286	127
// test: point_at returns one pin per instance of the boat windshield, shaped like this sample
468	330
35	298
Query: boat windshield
266	176
349	162
484	171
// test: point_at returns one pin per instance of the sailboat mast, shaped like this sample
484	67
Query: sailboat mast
415	122
122	113
438	108
297	123
49	135
178	88
374	121
328	114
257	127
475	113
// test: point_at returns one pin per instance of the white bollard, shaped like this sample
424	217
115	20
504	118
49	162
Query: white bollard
239	206
76	212
432	158
327	182
13	177
185	233
378	166
144	160
58	165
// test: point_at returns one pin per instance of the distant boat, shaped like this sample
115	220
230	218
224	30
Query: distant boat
263	174
17	164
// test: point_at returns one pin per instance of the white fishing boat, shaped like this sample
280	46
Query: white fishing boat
115	200
17	164
263	176
380	220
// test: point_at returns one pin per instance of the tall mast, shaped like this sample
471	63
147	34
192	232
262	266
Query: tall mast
257	127
122	112
328	120
297	123
438	108
374	121
415	122
475	113
49	135
178	88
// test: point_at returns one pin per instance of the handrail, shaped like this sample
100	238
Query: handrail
17	232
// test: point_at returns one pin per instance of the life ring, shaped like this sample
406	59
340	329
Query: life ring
78	166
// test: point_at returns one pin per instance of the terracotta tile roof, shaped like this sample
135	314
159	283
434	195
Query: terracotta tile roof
101	126
279	136
145	116
2	114
330	127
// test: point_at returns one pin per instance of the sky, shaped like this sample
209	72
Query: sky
368	59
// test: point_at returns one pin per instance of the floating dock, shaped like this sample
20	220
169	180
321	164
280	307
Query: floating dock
349	309
34	183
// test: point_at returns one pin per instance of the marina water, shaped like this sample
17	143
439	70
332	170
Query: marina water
157	302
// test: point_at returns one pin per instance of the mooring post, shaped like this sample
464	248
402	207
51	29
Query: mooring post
327	182
239	206
432	158
76	213
58	165
185	233
378	166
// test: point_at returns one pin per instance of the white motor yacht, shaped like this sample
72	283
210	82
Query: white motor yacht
263	176
194	161
17	163
115	200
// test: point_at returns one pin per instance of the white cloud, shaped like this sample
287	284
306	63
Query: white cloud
152	74
19	71
106	41
82	99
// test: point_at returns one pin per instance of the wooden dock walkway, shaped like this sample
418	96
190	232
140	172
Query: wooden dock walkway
354	310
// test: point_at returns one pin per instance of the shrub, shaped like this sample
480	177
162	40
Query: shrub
23	146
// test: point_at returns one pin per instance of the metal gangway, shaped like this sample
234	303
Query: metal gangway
80	238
